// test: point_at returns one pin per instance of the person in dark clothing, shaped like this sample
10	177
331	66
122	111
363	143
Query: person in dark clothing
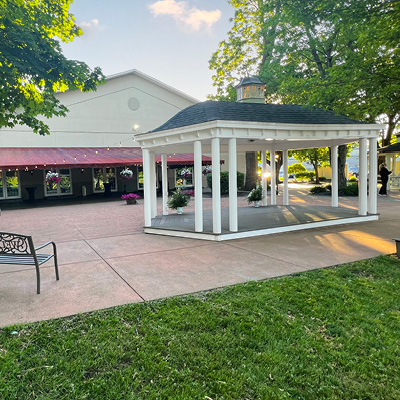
384	173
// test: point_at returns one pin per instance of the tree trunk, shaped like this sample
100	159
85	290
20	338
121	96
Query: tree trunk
342	181
251	170
316	173
392	122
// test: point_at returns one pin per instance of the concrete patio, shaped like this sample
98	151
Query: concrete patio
105	259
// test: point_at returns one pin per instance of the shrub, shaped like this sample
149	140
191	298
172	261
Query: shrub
306	176
296	168
225	181
322	179
318	189
349	190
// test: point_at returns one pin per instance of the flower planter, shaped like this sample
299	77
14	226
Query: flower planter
256	204
179	210
131	201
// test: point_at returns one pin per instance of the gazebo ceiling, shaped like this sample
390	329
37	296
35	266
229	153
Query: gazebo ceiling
255	126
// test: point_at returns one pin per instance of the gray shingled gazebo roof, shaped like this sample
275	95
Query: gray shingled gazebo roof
393	148
253	112
255	126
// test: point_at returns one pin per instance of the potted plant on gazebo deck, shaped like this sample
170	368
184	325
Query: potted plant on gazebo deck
256	195
178	200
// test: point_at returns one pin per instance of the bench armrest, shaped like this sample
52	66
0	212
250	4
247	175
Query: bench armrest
46	244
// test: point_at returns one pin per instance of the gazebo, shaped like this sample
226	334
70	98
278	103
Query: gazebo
213	127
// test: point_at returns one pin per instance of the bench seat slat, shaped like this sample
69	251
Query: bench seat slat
24	259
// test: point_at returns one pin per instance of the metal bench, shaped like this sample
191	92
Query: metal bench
19	249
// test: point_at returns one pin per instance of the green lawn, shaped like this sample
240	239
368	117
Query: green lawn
325	334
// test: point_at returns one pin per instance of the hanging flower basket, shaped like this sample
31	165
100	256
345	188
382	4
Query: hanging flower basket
207	170
126	174
186	172
53	177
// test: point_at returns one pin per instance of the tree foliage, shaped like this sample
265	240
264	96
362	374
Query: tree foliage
317	157
32	66
342	56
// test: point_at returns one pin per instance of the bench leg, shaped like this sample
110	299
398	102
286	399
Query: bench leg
55	261
37	278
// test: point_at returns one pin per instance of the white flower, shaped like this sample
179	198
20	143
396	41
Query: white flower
126	173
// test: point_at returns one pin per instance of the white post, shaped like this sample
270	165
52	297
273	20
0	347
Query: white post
164	178
264	178
153	184
146	187
216	185
362	184
285	178
335	177
198	189
233	207
373	176
273	178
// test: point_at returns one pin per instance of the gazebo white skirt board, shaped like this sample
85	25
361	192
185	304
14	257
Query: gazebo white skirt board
231	137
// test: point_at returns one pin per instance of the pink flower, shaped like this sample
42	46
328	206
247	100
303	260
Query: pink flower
130	196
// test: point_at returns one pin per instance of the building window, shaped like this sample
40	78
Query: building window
104	175
184	177
140	178
140	184
9	185
63	187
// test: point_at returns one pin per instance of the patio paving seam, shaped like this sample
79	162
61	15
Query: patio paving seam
124	280
263	255
202	243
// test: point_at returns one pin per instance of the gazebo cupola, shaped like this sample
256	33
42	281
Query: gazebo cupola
250	90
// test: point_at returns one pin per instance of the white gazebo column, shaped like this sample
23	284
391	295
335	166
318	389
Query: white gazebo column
153	184
335	178
164	178
233	203
362	184
198	189
146	187
373	176
273	178
285	178
264	178
216	185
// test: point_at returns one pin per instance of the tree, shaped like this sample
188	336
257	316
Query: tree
318	157
341	56
251	170
32	66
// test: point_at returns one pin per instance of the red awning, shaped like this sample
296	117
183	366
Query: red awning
81	157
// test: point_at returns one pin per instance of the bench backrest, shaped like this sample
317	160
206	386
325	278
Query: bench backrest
14	243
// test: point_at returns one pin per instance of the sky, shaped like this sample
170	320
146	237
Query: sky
170	40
